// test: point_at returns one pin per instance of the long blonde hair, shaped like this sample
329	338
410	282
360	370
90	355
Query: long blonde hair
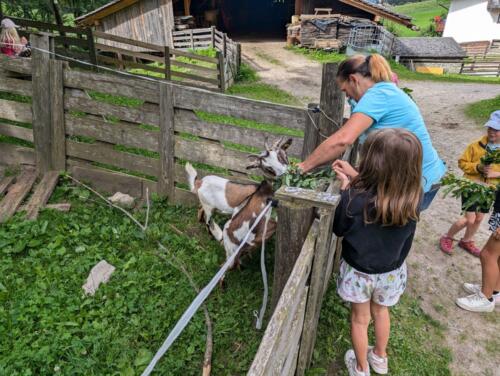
374	66
9	36
391	168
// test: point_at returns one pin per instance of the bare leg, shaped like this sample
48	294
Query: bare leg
360	319
457	226
490	259
473	222
382	323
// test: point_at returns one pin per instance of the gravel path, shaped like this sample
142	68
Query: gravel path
435	278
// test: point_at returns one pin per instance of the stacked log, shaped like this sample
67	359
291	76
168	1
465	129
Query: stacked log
324	31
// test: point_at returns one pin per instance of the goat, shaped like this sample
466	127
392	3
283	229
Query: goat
216	193
243	219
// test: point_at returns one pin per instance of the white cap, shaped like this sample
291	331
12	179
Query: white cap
7	23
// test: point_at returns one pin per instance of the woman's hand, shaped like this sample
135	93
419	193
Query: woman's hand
490	173
345	168
342	177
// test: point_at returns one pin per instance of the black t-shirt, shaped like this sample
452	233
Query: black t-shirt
370	248
496	206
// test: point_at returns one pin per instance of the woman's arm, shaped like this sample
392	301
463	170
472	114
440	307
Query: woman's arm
334	145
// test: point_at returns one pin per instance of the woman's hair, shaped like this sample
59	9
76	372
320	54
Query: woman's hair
391	168
374	66
9	36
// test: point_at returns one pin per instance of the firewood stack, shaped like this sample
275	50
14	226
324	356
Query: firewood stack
323	31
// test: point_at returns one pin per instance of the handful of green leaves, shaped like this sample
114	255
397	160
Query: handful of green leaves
473	193
491	157
311	180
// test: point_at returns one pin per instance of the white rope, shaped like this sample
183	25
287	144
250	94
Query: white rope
198	301
325	115
260	317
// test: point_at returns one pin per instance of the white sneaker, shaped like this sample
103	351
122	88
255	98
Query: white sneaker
476	303
378	363
473	288
352	364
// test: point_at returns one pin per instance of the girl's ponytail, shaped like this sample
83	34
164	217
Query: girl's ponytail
379	68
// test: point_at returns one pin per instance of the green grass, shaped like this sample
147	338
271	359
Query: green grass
415	344
422	14
49	327
403	72
480	111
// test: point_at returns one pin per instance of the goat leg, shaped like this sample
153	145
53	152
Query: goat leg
201	215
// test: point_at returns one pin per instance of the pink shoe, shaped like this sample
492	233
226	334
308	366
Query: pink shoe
469	247
446	244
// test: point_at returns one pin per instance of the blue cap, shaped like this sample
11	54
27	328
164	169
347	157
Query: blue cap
494	121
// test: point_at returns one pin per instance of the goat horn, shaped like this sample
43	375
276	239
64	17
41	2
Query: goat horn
266	144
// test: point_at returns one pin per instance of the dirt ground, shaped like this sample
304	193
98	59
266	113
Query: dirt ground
435	278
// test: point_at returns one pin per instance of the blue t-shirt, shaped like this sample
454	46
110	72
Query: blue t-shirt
390	107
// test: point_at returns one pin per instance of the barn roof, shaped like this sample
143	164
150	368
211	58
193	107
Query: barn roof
381	11
107	9
427	47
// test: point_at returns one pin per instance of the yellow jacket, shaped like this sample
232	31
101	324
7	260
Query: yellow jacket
471	159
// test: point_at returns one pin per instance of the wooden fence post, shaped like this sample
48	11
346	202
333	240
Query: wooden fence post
222	71
212	31
316	290
294	222
331	101
58	131
166	182
238	57
192	39
168	66
41	101
91	47
224	45
312	137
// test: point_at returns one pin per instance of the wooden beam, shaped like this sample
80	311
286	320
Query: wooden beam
16	194
298	7
42	194
187	7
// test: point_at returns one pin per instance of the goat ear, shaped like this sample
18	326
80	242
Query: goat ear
286	144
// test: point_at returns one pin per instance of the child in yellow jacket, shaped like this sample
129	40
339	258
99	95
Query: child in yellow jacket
470	163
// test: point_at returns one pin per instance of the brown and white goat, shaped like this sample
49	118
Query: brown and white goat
243	219
216	193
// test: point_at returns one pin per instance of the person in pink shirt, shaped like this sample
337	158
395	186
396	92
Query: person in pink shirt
10	43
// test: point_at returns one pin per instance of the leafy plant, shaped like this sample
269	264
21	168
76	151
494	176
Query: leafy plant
491	157
311	180
472	192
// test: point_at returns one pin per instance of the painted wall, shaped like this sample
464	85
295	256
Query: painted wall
470	21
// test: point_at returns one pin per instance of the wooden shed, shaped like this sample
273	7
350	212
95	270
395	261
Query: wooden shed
148	21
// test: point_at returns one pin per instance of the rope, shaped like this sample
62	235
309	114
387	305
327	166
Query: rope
260	317
316	109
202	296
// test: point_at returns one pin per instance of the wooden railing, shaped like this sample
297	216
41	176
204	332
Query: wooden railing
481	66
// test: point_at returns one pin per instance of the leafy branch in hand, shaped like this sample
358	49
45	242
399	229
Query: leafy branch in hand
311	180
472	192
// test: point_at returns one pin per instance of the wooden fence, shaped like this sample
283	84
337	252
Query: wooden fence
129	135
481	66
144	58
192	39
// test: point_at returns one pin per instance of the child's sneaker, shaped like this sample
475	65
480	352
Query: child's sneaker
476	303
379	364
473	288
352	364
446	244
469	247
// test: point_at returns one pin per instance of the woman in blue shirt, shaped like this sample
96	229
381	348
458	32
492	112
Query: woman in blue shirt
380	104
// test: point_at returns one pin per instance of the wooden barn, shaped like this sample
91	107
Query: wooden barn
148	21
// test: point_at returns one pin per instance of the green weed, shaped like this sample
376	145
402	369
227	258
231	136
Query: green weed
481	111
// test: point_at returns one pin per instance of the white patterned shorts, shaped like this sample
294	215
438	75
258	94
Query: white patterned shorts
494	221
384	289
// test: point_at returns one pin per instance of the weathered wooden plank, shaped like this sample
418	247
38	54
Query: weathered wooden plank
129	64
217	103
107	155
74	102
132	42
41	195
331	101
331	261
125	134
166	173
316	290
194	67
70	41
15	111
16	194
109	84
62	207
195	31
22	133
123	51
16	155
187	121
195	77
5	183
16	86
17	64
312	136
181	177
208	59
58	139
41	102
308	197
283	312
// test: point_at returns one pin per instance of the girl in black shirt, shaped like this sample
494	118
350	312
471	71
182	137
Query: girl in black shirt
377	217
